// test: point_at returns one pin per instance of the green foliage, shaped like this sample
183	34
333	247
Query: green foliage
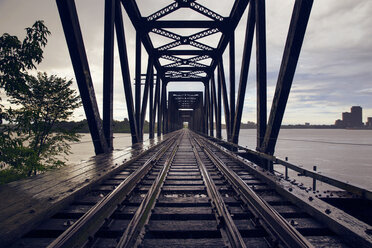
30	139
17	57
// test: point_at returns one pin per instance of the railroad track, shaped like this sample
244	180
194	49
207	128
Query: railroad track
186	193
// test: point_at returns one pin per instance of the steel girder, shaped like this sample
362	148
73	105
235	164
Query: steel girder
175	63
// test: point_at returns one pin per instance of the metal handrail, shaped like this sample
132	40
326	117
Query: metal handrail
361	192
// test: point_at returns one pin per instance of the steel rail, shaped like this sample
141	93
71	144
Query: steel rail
132	232
272	219
233	234
78	233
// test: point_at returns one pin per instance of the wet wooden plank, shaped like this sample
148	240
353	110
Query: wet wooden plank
25	203
180	225
185	243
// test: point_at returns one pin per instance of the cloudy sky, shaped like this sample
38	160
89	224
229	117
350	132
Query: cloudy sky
333	74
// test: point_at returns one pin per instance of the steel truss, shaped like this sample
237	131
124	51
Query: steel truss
198	62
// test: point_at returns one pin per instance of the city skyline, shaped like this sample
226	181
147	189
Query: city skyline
333	72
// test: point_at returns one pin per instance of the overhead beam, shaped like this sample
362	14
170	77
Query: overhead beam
296	33
74	39
210	53
236	13
185	24
138	23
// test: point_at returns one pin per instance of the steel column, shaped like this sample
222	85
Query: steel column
232	80
156	101
296	33
160	111
219	135
211	121
244	71
151	106
208	108
214	98
108	72
74	39
149	77
122	47
261	71
205	110
164	106
138	85
222	82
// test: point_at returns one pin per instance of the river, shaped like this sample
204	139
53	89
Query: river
342	154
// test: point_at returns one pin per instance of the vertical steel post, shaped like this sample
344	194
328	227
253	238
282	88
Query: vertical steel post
244	71
214	98
138	85
222	83
151	107
125	71
296	34
156	101
219	135
261	71
211	124
232	80
160	110
164	106
149	77
74	39
207	108
108	72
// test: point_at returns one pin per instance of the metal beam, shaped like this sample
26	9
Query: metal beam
232	80
108	72
296	33
211	124
261	71
222	82
122	47
185	24
149	78
138	23
74	39
210	53
160	111
218	128
236	13
214	100
137	86
151	108
244	71
156	101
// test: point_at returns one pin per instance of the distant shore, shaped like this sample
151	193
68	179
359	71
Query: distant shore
123	126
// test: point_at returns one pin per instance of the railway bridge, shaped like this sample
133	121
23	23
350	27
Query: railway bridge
185	186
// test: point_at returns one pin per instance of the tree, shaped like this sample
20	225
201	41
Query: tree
30	139
17	57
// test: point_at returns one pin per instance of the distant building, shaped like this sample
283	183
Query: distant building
354	118
307	123
339	123
369	122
